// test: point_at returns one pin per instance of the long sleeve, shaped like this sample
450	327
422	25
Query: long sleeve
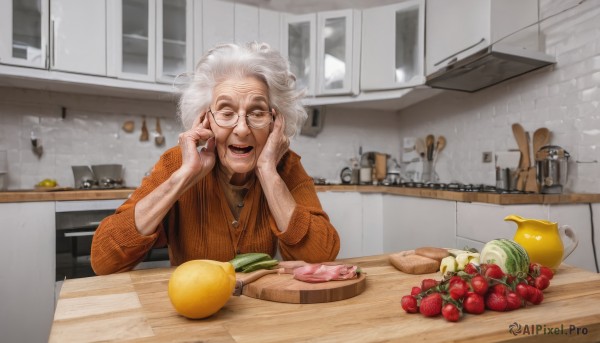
310	235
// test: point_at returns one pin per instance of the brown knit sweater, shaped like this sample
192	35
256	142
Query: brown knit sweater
200	225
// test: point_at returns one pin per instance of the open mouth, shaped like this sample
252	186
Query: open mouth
238	149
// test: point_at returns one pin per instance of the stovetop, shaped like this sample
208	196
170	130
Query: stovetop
458	187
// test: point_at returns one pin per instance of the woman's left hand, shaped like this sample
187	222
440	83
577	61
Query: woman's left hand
277	144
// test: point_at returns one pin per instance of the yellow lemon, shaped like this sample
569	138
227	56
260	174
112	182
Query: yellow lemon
199	288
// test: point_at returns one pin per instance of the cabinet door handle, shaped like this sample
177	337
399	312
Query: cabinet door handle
79	234
459	52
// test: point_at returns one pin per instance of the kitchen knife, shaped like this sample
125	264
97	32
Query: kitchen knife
242	279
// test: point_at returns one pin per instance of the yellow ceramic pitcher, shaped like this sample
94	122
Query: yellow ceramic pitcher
542	240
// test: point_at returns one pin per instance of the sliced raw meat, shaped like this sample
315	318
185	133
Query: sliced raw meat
322	273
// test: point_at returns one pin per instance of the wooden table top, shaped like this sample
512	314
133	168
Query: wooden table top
134	306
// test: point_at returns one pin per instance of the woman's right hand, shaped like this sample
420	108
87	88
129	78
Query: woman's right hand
196	164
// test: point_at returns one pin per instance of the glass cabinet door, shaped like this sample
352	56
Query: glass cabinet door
137	40
299	35
24	32
174	39
335	51
394	56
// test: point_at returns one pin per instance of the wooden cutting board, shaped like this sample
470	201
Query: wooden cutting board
284	288
411	263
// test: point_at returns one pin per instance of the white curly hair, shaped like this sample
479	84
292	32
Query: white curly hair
232	60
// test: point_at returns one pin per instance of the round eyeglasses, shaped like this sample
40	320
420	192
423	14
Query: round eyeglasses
255	119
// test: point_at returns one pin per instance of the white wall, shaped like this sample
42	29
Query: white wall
565	99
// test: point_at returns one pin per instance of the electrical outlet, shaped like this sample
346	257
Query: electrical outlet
487	157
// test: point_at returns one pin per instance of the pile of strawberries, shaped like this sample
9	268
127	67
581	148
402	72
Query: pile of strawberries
478	288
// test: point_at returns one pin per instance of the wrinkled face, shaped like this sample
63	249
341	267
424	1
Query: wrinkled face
238	148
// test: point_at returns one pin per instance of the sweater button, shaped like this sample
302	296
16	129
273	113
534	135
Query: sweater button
235	224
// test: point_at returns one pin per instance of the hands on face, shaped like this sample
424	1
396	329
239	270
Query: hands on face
196	164
277	144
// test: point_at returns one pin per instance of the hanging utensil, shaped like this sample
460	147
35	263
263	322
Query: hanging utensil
144	136
159	139
522	143
429	141
128	126
420	148
439	146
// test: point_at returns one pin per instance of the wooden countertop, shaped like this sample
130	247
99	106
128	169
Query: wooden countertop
135	306
490	198
485	197
65	194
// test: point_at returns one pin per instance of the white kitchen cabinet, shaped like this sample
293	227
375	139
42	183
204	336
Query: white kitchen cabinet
218	26
345	212
411	222
135	47
324	51
338	52
298	44
393	56
269	27
78	36
27	273
154	39
459	28
24	33
174	39
245	23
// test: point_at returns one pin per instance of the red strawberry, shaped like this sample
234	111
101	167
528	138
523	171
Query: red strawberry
474	303
415	291
427	284
409	304
547	271
431	305
499	289
450	312
541	282
535	295
522	290
496	302
513	301
479	284
458	289
533	266
493	271
470	268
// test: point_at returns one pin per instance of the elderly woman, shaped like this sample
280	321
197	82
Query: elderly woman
244	191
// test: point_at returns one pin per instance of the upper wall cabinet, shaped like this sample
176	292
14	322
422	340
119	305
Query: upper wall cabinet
299	36
393	56
338	52
324	50
78	36
459	28
154	39
24	32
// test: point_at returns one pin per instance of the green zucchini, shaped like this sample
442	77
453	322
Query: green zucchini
241	261
268	264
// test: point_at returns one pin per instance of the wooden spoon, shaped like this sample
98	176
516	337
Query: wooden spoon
521	138
159	139
439	146
144	136
429	140
541	137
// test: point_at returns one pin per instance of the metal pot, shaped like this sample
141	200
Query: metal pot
551	162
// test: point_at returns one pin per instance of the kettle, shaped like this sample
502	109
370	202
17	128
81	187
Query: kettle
544	240
551	162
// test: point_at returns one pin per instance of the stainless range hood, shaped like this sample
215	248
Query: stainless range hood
488	67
